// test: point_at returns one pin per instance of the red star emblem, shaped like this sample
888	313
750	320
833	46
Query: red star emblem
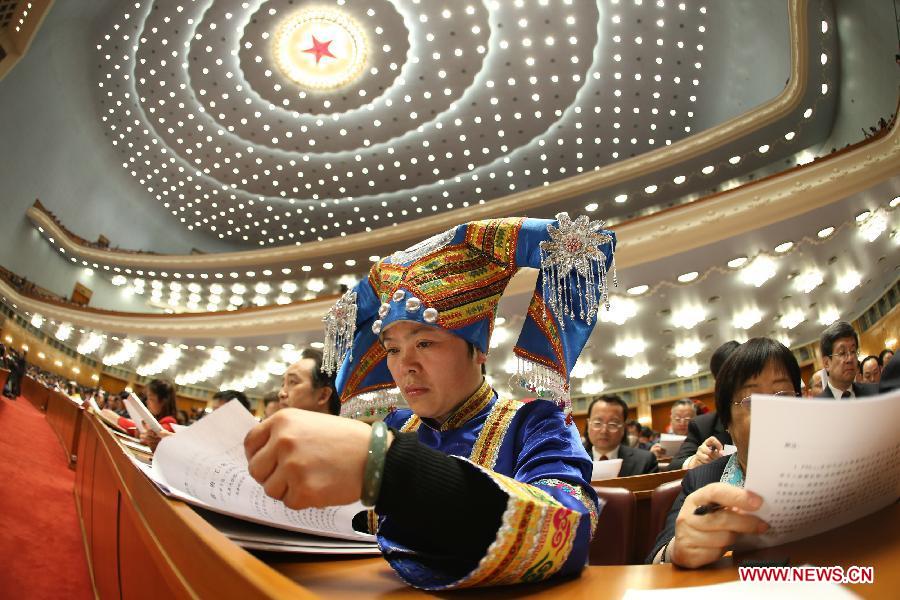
320	49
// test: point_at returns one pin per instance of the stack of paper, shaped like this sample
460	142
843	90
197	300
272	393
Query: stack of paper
205	465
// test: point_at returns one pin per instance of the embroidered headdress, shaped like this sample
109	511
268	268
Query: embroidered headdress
454	281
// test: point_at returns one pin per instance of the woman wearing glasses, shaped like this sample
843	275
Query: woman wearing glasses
760	366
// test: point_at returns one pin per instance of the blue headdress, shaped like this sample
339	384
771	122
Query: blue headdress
454	280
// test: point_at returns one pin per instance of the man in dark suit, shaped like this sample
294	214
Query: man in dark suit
839	345
706	430
605	430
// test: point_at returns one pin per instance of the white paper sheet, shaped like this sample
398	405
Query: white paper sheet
606	469
142	417
671	442
205	465
176	427
728	449
820	464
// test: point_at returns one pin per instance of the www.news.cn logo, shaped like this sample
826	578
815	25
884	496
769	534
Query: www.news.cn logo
834	574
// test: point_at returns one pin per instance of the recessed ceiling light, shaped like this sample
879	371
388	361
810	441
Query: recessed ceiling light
688	277
638	290
824	233
784	247
740	261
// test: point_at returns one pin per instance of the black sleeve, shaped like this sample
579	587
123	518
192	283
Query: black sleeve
688	447
438	504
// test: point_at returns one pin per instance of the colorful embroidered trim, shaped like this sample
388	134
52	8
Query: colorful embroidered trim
535	537
471	407
576	491
487	446
412	424
374	355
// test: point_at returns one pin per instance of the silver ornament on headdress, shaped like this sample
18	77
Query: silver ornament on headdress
340	325
574	249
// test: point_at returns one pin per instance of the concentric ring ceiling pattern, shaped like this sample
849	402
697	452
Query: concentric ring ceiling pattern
456	103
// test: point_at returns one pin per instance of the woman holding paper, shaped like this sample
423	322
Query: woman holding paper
713	508
161	404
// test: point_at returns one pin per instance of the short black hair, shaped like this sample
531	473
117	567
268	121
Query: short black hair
228	395
720	355
882	354
870	357
321	379
746	362
835	332
472	352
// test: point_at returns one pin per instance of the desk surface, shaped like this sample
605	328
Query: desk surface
873	541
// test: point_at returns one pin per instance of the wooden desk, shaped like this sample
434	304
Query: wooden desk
141	544
64	416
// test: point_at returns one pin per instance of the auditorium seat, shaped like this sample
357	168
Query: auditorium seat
613	542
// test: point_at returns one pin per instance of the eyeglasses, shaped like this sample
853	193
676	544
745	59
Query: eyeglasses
844	355
681	419
745	402
613	427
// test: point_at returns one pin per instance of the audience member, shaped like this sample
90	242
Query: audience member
760	366
839	346
633	432
605	430
884	357
222	397
270	404
706	436
871	369
306	386
160	402
816	383
681	415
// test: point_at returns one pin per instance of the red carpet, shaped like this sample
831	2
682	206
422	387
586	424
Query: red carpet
41	549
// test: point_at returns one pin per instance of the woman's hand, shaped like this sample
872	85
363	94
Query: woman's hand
708	451
703	539
151	438
657	451
309	459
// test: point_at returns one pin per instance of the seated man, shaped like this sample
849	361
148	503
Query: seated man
706	436
839	346
871	369
605	430
759	366
816	383
469	489
305	386
222	397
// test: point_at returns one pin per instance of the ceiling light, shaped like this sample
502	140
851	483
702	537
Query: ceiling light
735	263
784	247
36	321
637	290
688	277
239	288
118	280
688	348
636	370
592	386
582	368
872	225
687	369
824	233
895	202
759	271
620	310
262	288
64	331
747	319
315	285
829	316
848	281
629	347
791	319
688	316
809	280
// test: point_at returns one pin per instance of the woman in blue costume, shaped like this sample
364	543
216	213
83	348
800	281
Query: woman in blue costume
468	489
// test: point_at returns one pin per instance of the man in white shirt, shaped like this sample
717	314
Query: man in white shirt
839	345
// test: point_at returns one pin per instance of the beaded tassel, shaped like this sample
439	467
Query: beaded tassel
340	325
543	382
575	246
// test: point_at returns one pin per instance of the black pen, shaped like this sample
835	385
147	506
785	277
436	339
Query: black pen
705	509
